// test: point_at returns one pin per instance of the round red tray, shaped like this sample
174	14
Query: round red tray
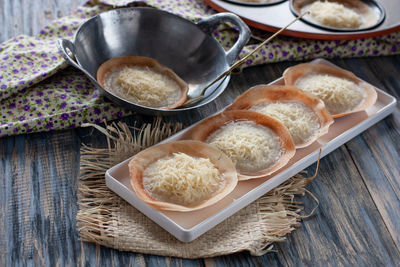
272	18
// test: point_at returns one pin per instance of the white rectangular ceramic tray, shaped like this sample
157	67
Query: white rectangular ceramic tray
187	226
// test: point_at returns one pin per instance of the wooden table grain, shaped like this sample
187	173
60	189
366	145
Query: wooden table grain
358	186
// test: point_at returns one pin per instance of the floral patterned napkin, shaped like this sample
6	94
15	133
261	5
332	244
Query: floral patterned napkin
38	93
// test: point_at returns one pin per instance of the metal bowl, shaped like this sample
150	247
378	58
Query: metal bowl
185	47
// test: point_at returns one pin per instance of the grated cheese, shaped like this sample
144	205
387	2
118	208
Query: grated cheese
334	15
144	86
250	146
339	95
182	179
301	122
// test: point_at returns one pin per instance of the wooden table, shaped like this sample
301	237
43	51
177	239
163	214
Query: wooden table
358	186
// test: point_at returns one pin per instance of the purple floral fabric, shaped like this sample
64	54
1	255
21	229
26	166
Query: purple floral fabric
65	100
39	93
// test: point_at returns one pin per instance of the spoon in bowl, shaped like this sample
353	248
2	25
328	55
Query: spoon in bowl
140	89
241	61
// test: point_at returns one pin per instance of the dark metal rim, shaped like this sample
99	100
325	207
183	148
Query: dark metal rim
150	109
320	26
238	2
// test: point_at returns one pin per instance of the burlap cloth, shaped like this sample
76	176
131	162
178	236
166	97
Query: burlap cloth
108	220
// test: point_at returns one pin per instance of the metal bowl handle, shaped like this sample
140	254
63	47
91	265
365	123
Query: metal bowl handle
63	45
209	24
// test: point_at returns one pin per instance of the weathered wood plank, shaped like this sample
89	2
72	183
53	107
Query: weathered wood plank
379	163
29	17
39	187
377	151
244	259
168	261
347	228
380	174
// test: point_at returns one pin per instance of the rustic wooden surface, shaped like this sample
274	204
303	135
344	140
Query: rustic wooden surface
357	222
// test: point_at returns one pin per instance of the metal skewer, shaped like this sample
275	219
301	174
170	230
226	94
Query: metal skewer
239	62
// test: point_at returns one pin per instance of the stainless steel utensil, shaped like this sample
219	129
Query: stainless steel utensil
183	46
241	61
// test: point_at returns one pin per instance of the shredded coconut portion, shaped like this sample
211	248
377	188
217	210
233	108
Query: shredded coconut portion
182	179
334	15
301	121
339	95
250	146
144	86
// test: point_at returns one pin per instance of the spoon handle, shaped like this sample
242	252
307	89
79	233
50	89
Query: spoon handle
239	62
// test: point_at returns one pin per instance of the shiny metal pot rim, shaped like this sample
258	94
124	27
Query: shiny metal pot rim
187	48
